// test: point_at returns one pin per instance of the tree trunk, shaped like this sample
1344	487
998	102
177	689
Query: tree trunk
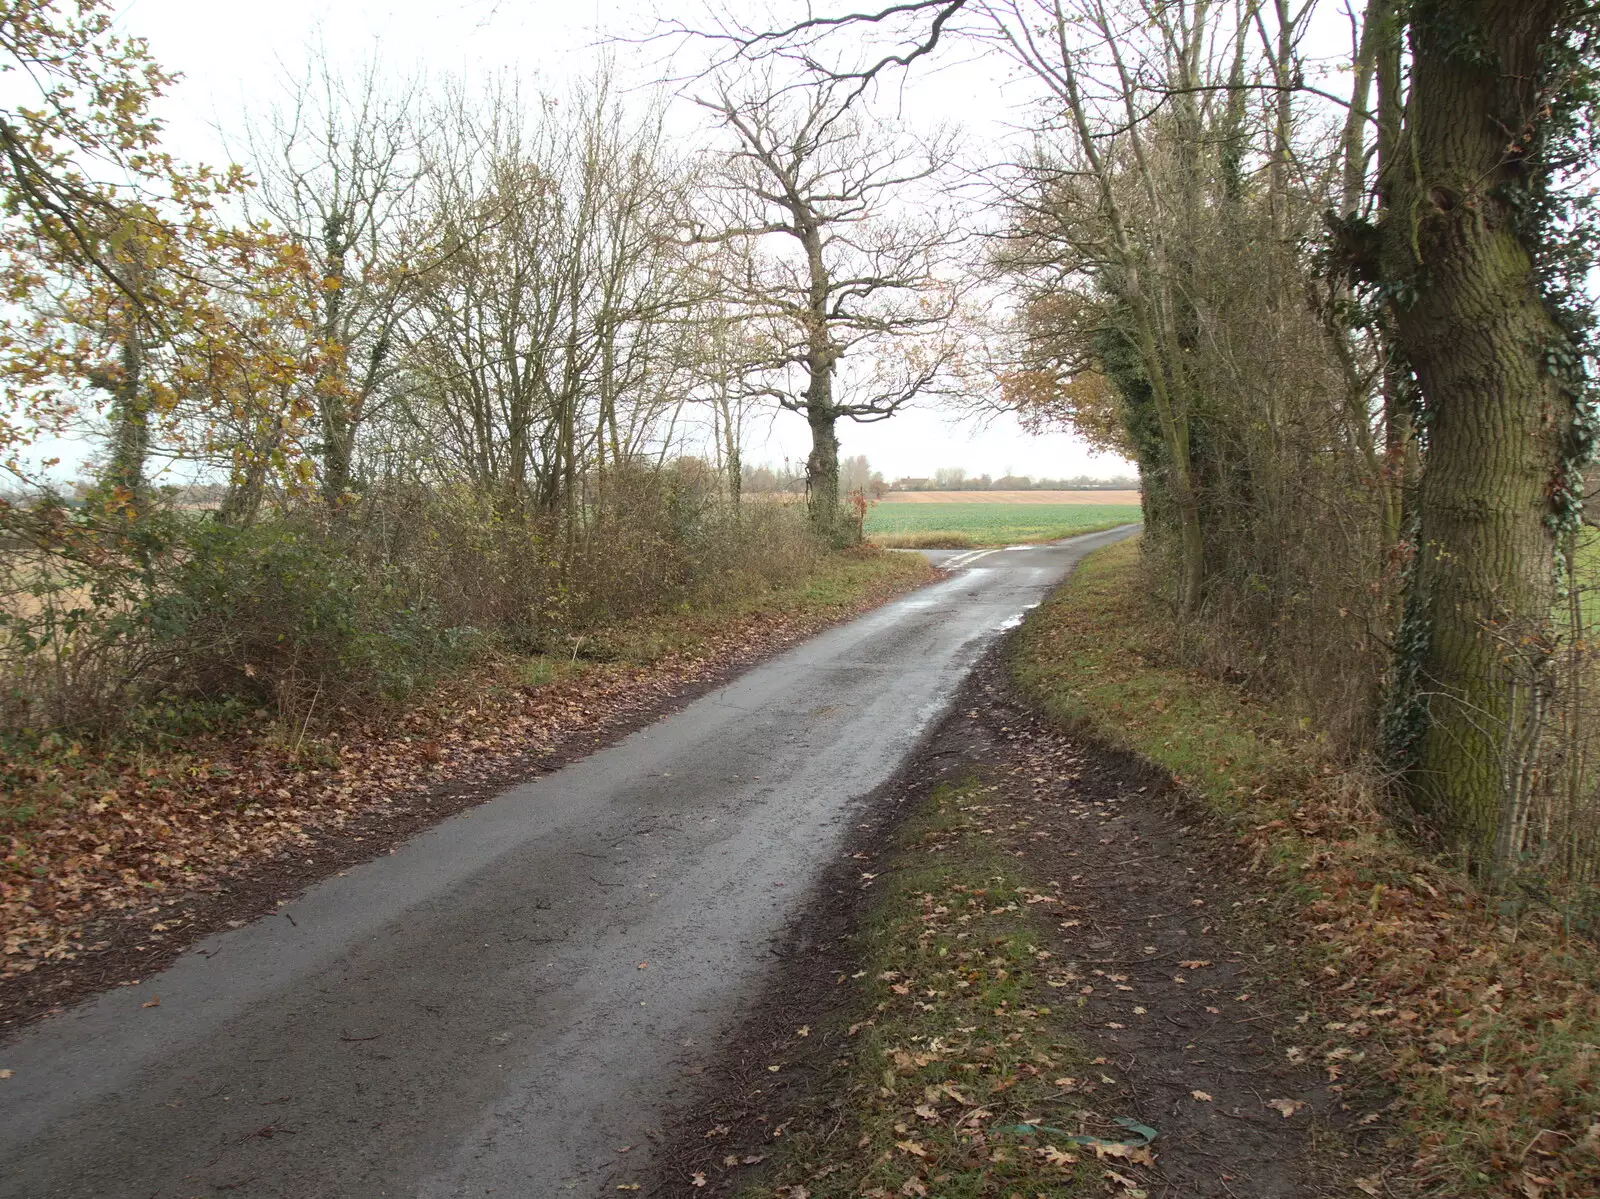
822	464
333	406
822	474
1470	320
1173	420
732	461
130	421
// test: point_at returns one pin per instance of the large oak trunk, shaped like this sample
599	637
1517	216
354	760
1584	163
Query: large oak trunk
1470	320
822	476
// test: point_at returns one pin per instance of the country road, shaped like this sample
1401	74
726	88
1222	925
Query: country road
511	997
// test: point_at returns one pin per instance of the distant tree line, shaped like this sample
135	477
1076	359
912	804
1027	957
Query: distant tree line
856	476
956	479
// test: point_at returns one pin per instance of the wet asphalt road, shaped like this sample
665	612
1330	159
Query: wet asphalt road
469	1015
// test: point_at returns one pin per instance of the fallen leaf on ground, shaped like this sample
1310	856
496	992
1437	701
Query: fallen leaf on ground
1129	1188
175	831
1285	1107
1136	1154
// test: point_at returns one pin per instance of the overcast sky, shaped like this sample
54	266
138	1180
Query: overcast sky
234	56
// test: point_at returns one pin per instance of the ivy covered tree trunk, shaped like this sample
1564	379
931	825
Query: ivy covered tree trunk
822	474
130	420
1497	415
333	411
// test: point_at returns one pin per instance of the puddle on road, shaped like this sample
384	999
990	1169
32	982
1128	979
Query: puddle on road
1016	618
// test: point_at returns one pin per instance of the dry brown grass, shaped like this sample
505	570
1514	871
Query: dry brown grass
936	540
1011	497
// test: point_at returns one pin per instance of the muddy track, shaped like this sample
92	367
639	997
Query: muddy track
1183	999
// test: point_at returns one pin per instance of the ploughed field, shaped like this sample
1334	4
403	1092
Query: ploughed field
979	522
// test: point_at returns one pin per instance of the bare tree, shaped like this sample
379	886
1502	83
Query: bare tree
729	364
340	166
842	265
549	345
1137	202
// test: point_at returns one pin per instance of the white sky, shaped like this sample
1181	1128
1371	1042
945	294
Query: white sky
233	55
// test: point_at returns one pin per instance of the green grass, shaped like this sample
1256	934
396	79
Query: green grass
963	525
955	1036
1091	656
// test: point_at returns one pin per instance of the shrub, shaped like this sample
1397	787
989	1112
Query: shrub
284	614
115	623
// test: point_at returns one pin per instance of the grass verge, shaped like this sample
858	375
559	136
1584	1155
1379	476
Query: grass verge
1480	1015
931	540
961	1078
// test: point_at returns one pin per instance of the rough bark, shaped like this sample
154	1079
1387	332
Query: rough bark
130	420
333	408
822	463
822	474
1471	323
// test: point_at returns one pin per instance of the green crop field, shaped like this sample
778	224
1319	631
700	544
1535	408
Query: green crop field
924	526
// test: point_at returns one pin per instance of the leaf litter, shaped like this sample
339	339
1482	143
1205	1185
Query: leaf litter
135	857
